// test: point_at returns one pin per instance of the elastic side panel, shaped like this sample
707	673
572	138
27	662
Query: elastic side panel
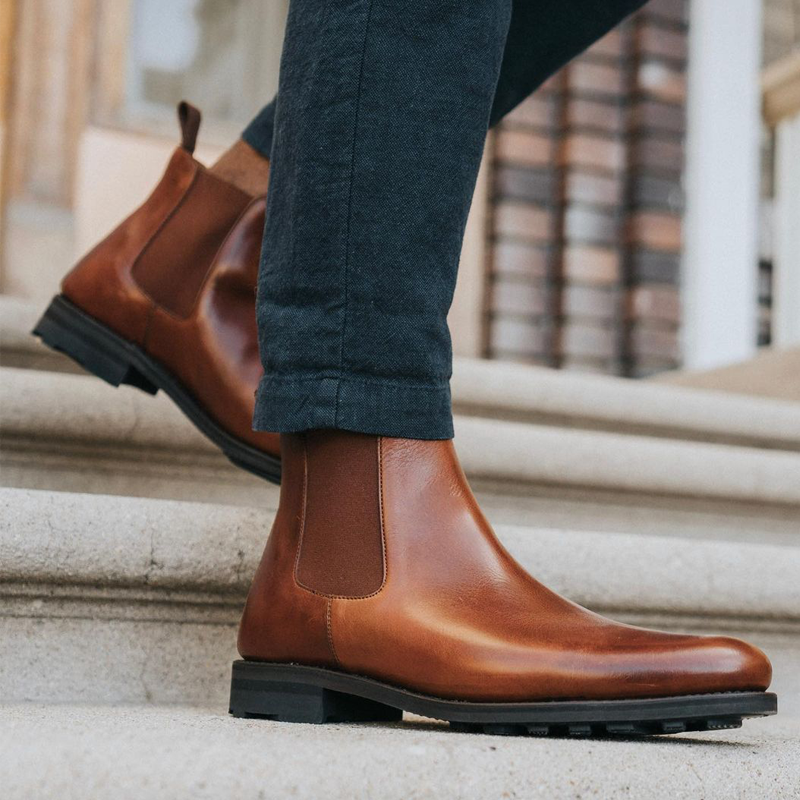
173	266
341	550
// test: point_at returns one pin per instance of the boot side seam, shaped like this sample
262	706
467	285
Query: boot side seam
382	514
329	628
299	550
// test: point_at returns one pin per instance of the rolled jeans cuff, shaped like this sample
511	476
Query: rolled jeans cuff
380	408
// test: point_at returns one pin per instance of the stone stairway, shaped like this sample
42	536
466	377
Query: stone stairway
127	544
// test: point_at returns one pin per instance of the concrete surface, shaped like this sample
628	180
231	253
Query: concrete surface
773	373
17	347
38	242
56	406
75	433
566	399
94	753
544	455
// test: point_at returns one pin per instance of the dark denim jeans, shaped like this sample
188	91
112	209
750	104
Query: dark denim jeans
375	139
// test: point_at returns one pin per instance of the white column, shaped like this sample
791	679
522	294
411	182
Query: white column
786	279
719	272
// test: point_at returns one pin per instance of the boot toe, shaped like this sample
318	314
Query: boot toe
662	665
736	665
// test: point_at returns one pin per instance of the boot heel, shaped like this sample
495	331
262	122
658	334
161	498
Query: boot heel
65	328
286	701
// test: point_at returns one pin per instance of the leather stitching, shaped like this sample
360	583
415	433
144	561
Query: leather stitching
346	270
380	508
302	520
329	626
353	378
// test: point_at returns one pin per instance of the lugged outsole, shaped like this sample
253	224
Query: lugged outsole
598	729
295	693
66	329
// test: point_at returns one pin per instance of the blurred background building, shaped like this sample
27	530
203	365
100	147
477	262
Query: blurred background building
638	214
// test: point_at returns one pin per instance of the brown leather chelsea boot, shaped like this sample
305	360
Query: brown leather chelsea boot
167	301
383	588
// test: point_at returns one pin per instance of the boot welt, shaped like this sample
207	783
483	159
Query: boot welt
295	693
93	345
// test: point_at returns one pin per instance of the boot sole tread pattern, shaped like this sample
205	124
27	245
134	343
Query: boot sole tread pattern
295	693
95	347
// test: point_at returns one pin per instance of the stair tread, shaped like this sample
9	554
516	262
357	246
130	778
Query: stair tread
91	752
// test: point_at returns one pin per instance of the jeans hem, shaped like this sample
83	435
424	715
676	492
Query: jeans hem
288	405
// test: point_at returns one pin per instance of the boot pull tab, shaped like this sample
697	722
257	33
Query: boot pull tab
189	118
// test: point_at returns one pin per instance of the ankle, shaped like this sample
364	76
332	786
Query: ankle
244	167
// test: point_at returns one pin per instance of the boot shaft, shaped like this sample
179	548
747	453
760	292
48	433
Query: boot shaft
160	255
381	564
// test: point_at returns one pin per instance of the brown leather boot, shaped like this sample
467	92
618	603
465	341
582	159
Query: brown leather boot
167	301
383	588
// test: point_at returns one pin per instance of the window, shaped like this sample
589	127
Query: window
222	55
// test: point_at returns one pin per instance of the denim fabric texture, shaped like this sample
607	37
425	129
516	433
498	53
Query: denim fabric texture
376	138
544	36
258	134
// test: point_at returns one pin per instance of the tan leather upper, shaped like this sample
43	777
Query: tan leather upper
178	278
446	610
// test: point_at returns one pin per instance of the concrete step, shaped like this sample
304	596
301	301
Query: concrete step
773	372
18	348
115	599
127	753
540	396
75	433
72	433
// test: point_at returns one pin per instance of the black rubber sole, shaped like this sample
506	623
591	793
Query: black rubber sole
67	329
293	693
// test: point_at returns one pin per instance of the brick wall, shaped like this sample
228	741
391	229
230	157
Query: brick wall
586	207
